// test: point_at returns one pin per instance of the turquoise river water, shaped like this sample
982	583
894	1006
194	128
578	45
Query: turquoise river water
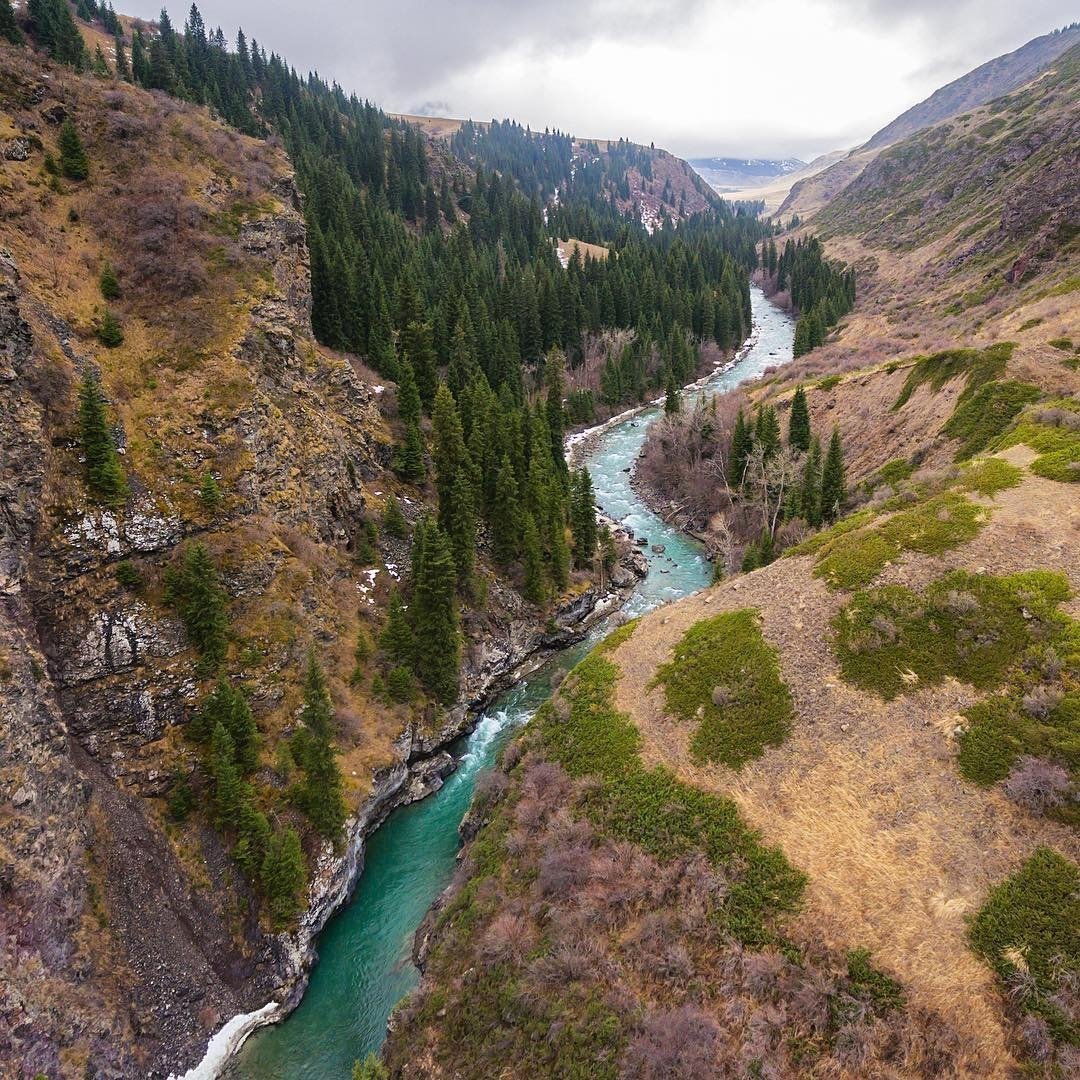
365	967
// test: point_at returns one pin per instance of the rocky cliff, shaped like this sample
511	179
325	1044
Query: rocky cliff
131	937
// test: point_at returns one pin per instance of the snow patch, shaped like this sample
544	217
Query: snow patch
228	1040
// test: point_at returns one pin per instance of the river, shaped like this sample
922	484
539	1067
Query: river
365	966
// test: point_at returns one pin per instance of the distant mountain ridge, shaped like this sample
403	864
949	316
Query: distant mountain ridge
986	82
733	173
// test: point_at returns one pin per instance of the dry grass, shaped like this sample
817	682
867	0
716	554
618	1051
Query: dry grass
865	797
567	248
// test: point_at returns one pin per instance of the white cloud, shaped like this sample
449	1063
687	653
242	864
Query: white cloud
772	77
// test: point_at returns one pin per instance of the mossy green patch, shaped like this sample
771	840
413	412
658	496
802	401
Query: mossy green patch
987	413
1029	932
854	558
724	675
1052	429
971	627
891	473
978	365
657	811
988	476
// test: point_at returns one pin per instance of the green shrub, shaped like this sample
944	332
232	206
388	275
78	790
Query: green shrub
855	558
972	627
983	417
1028	930
891	473
1058	445
980	366
726	676
652	808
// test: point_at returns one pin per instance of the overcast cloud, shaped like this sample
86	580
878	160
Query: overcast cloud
700	77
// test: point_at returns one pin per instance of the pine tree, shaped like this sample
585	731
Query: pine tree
672	403
393	522
73	163
583	518
228	785
408	396
123	68
767	431
98	65
435	620
283	877
533	588
742	443
801	345
193	588
832	479
409	460
506	514
319	793
228	705
397	639
108	283
109	332
449	453
799	422
104	477
9	28
253	837
462	527
210	492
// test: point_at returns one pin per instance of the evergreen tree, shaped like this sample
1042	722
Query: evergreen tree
123	68
462	527
435	620
227	783
210	492
408	396
799	422
319	793
506	515
409	460
98	65
104	477
583	518
228	706
9	28
533	588
73	163
109	333
449	453
767	431
393	522
283	877
742	443
671	396
252	837
397	639
832	479
108	283
193	588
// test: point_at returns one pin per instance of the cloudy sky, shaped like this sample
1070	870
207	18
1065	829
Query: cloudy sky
700	77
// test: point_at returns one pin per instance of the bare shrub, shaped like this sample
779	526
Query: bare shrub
546	781
574	960
563	869
490	789
811	999
1040	701
762	971
509	938
673	1043
1036	1035
1038	784
959	602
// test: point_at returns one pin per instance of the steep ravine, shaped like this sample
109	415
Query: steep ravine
366	964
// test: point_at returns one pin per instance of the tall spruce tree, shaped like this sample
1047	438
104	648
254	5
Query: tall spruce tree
283	877
73	162
319	793
195	591
833	479
767	431
534	586
104	477
506	514
227	782
810	485
435	618
583	518
742	444
799	422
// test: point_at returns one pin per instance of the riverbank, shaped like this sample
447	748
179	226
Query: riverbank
424	762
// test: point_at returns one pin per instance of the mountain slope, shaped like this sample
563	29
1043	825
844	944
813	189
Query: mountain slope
987	82
991	80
